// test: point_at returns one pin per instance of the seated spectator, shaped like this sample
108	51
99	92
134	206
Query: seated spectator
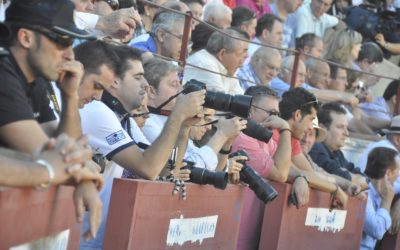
263	67
338	79
196	7
327	154
244	19
268	31
223	55
281	83
383	107
310	44
218	14
312	18
318	73
344	47
110	132
285	10
369	57
166	36
259	7
382	168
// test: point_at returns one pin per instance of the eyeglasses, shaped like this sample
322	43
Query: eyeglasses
269	112
272	68
114	4
144	115
62	41
174	35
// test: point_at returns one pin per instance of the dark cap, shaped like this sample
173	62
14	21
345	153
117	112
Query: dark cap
55	15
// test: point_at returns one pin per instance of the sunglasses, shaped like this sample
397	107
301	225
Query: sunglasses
62	41
114	4
269	112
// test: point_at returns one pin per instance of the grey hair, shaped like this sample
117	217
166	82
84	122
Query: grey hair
264	54
165	20
313	64
218	41
287	62
216	10
155	69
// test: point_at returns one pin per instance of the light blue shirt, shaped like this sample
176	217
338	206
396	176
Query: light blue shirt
247	73
377	220
378	108
280	86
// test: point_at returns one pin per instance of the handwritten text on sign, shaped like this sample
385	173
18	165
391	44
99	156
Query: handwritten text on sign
191	229
326	221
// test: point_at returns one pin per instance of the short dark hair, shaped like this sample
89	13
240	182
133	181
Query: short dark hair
266	21
334	67
94	54
307	39
297	98
242	14
379	160
187	2
259	91
126	53
391	90
200	36
371	52
324	114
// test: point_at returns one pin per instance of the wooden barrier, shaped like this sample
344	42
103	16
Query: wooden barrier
284	226
145	215
27	215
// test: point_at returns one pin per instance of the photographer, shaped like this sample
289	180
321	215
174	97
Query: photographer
109	137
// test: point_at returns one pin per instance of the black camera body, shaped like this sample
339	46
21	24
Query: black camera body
256	131
261	188
203	176
238	105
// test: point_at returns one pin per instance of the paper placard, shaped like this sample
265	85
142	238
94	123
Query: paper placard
57	241
326	221
191	229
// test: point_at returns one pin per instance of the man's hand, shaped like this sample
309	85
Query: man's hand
359	180
181	174
350	99
230	127
235	167
355	190
67	156
86	196
119	24
301	190
275	122
340	199
189	105
70	77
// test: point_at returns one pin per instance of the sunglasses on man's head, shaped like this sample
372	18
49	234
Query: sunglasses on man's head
62	41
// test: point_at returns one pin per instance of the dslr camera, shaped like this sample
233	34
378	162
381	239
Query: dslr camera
203	176
261	188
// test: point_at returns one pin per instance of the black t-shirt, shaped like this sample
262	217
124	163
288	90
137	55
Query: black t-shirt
20	100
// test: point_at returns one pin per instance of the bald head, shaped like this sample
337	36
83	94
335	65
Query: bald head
266	63
317	73
286	71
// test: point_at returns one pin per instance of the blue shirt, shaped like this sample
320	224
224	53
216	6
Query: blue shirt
247	73
377	220
146	45
333	162
280	86
378	108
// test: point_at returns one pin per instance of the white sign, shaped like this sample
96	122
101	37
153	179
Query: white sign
57	241
191	229
326	221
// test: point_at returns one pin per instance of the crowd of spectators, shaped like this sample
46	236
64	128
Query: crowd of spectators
84	80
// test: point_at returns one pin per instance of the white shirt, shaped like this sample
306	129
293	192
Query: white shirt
213	81
106	136
203	157
308	23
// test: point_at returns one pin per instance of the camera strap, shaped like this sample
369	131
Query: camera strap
159	110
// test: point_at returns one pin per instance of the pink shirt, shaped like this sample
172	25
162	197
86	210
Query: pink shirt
260	10
261	159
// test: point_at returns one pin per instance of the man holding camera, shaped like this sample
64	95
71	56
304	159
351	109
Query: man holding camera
110	138
164	83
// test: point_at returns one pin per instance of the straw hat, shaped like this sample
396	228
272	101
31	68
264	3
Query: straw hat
321	135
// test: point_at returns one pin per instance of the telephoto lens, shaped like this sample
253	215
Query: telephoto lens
256	131
203	176
261	188
238	105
